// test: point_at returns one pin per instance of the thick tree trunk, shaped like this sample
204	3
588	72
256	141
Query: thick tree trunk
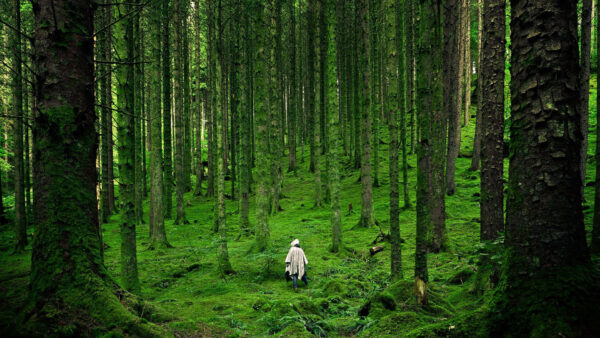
68	278
20	223
545	234
492	119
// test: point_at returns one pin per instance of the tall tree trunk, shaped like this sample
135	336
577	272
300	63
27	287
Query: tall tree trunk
310	82
276	104
475	159
187	97
105	123
374	87
545	234
199	106
586	32
179	97
429	86
453	75
492	119
20	223
467	60
595	247
260	20
137	111
166	85
409	23
246	142
211	100
109	117
292	105
126	146
158	234
367	219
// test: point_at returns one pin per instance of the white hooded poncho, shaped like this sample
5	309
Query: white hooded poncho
296	259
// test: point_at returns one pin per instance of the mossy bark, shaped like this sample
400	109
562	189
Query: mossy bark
157	224
104	121
261	62
310	81
595	247
475	159
292	104
68	279
126	145
584	90
179	113
547	257
367	219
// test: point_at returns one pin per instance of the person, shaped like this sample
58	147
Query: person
295	264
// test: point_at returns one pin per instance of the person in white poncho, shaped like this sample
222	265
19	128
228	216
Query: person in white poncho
295	263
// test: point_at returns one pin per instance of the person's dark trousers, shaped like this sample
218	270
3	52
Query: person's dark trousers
295	280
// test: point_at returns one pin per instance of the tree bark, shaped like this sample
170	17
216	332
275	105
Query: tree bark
595	247
492	119
20	223
367	219
179	97
166	85
586	32
475	159
545	234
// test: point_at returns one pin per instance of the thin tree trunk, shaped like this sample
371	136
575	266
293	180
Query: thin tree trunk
292	105
492	119
126	145
586	32
475	159
179	112
595	247
20	223
467	61
199	106
310	82
166	85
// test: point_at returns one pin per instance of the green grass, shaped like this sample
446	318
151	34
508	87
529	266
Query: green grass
257	301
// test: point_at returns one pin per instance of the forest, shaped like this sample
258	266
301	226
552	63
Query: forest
330	168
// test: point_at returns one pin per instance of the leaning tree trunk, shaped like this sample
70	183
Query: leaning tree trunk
20	223
492	119
547	257
67	274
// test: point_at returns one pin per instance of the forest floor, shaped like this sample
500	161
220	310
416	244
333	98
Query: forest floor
349	292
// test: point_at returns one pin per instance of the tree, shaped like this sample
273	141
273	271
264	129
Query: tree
158	234
310	79
178	92
126	146
367	219
246	134
199	106
475	159
292	105
166	85
586	32
452	82
595	247
138	117
492	119
429	92
260	24
20	223
67	274
105	18
545	235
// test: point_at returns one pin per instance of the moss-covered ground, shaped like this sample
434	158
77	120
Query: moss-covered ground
350	292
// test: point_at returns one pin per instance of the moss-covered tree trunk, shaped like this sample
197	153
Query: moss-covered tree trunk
429	92
166	112
292	104
452	81
245	123
20	222
276	145
595	247
409	23
261	61
547	257
367	219
211	99
492	119
157	224
137	111
187	98
124	46
468	68
310	82
109	103
102	71
68	279
373	45
178	93
199	110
